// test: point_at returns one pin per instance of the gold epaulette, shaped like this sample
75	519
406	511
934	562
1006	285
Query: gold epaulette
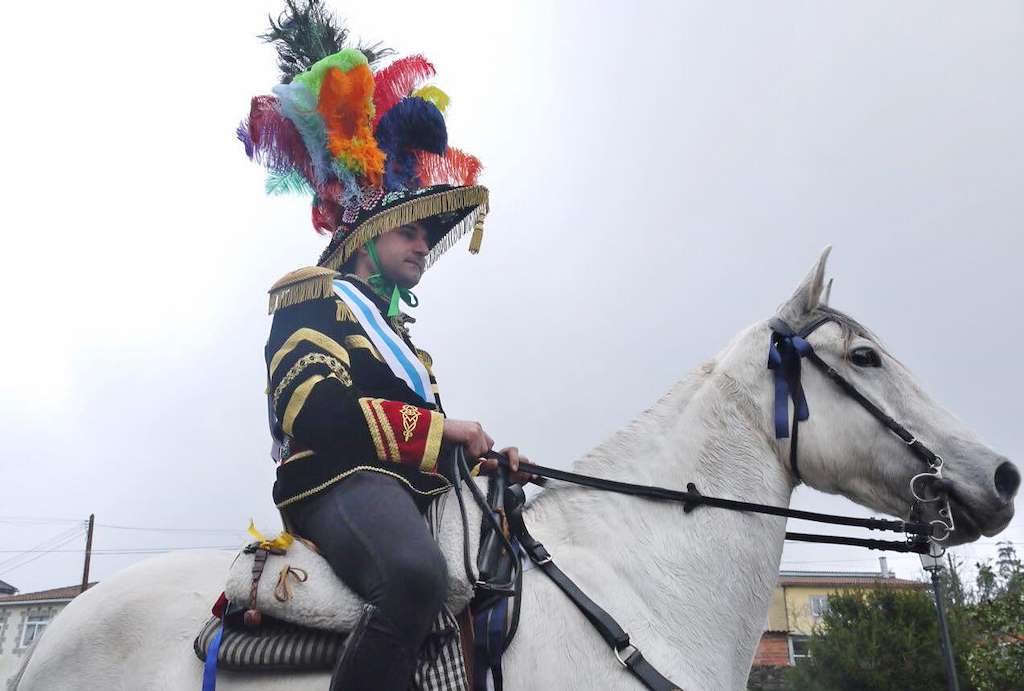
307	283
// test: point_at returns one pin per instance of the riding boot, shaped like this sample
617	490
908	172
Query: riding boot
372	658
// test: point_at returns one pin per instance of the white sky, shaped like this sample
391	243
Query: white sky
662	175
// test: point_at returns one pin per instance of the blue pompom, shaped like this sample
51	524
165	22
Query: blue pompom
411	124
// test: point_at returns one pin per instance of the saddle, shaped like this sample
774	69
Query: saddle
283	607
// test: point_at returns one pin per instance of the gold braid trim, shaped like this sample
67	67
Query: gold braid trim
416	209
307	360
308	283
386	431
295	403
320	340
357	342
374	428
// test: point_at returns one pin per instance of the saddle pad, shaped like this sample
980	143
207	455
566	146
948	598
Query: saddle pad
323	601
274	646
277	646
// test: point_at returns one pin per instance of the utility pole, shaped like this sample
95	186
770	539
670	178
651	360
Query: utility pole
88	553
932	562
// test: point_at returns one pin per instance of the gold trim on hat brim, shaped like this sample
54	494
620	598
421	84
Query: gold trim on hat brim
472	199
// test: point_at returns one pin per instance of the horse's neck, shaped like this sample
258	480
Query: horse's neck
701	581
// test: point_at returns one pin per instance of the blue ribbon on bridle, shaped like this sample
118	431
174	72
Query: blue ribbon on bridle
784	355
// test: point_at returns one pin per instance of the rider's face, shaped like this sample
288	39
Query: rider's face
403	254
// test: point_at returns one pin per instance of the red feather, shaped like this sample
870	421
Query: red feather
275	141
454	168
325	216
398	80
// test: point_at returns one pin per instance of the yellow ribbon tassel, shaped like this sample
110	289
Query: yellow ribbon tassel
281	542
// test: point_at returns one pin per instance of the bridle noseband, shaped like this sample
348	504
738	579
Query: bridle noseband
788	348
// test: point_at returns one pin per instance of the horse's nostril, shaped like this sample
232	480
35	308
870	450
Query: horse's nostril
1007	480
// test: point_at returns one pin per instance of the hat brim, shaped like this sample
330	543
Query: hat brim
447	212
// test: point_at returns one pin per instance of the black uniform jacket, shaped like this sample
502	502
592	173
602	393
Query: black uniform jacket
336	408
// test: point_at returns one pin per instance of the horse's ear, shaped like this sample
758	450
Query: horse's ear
809	294
828	292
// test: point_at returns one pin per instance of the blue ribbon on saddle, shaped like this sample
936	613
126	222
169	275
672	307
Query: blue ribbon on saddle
210	666
784	355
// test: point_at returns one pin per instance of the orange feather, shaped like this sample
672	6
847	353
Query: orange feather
346	105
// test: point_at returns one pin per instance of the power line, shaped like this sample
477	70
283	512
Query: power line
14	563
46	520
160	550
169	530
116	550
46	544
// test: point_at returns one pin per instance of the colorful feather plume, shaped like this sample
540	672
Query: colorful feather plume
455	167
307	32
298	104
345	61
337	131
398	80
412	124
346	105
275	141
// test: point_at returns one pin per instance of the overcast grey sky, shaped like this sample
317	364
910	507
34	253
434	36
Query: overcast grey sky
662	175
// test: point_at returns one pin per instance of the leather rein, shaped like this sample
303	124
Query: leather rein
788	348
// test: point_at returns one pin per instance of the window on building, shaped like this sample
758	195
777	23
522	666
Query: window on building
798	649
819	605
34	627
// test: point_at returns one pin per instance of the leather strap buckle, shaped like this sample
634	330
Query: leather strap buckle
620	654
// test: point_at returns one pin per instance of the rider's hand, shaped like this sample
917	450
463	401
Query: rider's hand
469	434
489	465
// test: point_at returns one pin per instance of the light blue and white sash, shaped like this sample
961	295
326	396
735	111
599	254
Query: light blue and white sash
402	361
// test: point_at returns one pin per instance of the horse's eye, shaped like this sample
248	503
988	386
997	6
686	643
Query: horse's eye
865	357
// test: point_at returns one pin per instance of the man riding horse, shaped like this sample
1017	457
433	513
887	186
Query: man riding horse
354	408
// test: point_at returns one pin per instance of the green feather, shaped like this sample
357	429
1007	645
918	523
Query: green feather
291	182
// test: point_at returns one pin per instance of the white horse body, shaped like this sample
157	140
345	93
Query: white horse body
692	590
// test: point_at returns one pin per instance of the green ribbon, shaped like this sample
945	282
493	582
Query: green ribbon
387	288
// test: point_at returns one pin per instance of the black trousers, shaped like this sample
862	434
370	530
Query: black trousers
373	535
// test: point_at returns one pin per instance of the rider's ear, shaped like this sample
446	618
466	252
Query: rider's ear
808	295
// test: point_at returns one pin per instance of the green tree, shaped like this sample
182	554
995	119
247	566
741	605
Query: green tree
882	639
995	651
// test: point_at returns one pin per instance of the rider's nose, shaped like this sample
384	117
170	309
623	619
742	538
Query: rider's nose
1007	480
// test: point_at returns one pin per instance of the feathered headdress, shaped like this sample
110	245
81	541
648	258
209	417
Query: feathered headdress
368	145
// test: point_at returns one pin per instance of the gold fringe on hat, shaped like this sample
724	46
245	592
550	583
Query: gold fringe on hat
414	210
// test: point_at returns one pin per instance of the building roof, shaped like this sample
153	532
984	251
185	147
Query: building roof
7	589
57	594
829	579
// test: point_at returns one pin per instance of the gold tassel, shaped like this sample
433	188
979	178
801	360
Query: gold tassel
478	235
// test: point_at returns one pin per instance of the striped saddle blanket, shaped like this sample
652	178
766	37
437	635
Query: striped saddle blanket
277	646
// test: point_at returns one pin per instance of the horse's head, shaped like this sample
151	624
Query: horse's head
844	449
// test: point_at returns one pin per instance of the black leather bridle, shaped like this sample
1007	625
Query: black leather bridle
788	347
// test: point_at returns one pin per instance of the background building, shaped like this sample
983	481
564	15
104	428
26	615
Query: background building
23	619
798	602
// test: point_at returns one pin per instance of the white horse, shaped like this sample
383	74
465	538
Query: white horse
692	589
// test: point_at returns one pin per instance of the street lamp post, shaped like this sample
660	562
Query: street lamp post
932	563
